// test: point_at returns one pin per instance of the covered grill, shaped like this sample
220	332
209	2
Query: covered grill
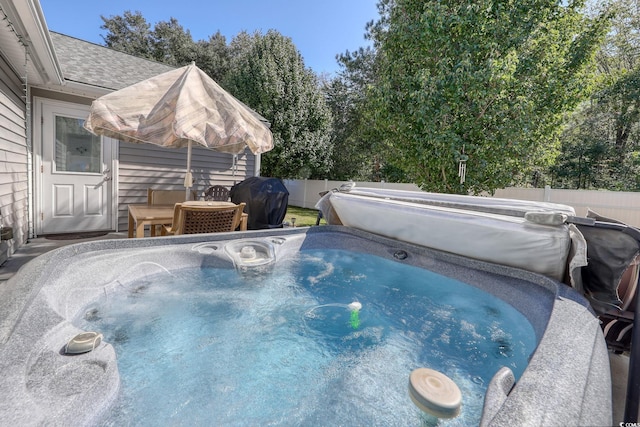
266	201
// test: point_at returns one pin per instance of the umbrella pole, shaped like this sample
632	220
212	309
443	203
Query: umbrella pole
188	179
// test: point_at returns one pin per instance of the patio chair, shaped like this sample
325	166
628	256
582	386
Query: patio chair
217	193
167	197
164	197
194	218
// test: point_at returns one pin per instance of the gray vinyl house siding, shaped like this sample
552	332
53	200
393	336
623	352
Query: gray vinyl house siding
13	160
143	166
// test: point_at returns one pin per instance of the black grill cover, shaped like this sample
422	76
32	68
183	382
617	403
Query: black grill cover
266	200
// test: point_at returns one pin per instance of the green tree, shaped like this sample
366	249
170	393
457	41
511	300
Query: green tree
213	56
354	153
267	73
619	99
168	43
358	153
583	162
171	44
129	33
620	104
487	81
601	144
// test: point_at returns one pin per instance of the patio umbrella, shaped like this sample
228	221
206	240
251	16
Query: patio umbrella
177	109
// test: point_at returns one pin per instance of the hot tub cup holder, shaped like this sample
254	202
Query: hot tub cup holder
84	342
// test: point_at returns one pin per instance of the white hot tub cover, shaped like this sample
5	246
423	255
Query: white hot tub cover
488	229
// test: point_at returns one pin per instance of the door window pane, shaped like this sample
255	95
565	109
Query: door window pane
77	150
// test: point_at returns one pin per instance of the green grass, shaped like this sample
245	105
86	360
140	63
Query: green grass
304	217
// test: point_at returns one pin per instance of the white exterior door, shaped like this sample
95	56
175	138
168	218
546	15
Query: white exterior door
76	184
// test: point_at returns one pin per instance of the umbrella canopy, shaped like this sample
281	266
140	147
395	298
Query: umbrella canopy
177	109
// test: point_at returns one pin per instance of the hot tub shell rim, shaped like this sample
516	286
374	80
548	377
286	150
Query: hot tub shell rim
549	349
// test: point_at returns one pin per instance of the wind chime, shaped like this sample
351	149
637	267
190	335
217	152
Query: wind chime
462	166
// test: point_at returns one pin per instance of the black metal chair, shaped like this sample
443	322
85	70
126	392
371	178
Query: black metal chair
218	193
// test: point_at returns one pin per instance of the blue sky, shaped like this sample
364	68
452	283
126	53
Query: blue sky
320	29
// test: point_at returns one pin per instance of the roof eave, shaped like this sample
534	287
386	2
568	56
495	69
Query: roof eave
78	89
27	18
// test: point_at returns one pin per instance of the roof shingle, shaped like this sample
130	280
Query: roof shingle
91	64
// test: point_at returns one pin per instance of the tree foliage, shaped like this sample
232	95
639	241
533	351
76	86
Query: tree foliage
601	144
358	151
168	42
583	155
354	144
267	72
484	79
213	56
172	44
129	33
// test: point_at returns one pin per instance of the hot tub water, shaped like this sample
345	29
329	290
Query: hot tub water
214	346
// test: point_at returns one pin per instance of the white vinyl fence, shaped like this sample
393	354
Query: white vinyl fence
619	205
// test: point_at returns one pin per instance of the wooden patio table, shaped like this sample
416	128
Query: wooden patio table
152	215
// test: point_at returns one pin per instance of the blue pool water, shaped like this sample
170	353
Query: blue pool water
280	347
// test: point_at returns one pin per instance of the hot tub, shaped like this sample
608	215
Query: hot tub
567	380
